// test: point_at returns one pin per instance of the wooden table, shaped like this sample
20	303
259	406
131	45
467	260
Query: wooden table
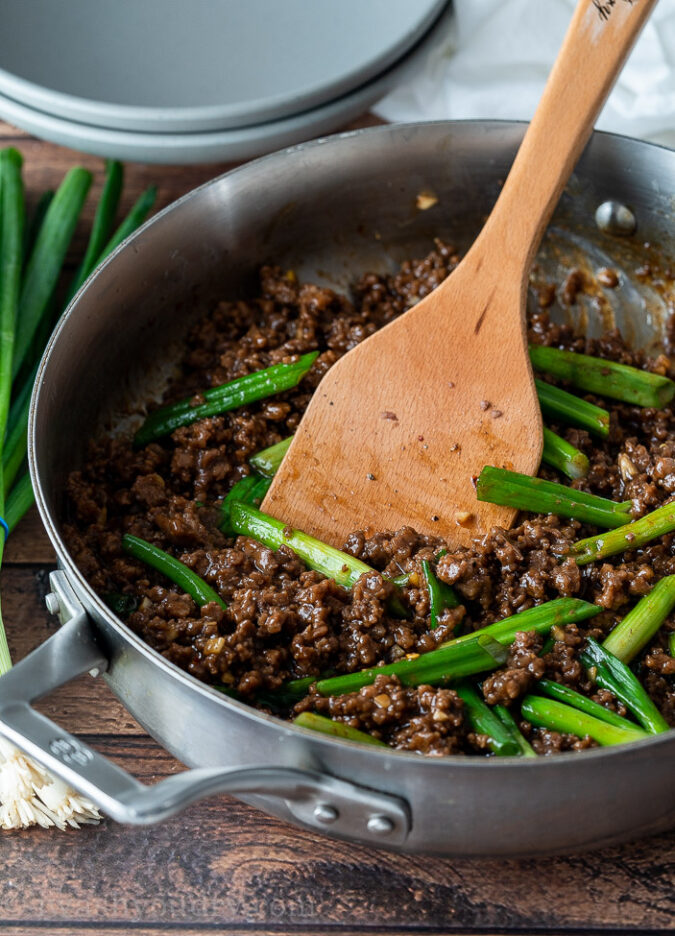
224	867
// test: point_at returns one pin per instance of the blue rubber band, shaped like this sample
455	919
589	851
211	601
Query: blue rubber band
3	524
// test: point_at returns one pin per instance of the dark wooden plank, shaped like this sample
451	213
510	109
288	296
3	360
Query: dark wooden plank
29	543
225	862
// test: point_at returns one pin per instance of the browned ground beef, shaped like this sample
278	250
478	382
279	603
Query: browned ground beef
283	621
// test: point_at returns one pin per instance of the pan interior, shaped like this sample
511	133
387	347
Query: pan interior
331	211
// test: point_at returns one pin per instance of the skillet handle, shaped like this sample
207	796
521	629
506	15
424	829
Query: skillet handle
317	800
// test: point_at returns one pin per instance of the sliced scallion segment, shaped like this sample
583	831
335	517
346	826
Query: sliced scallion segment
563	406
556	716
441	596
507	719
511	489
560	454
638	627
611	673
335	728
174	569
606	378
483	720
631	536
222	399
267	461
571	697
45	262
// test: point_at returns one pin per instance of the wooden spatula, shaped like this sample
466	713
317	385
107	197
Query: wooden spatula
400	427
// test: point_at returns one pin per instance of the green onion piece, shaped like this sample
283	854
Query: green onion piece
11	262
542	618
671	644
507	719
611	673
12	214
344	569
335	728
511	489
267	461
103	222
571	697
549	643
249	490
31	229
229	396
13	455
19	501
16	439
563	406
133	220
174	569
438	666
641	623
290	693
559	454
606	378
484	721
333	563
547	713
441	596
46	260
121	605
20	401
631	536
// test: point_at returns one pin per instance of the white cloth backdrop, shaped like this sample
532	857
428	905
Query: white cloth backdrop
498	55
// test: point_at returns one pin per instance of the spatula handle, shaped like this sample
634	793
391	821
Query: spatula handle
600	36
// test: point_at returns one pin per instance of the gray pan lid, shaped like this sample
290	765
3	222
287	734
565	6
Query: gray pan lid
198	65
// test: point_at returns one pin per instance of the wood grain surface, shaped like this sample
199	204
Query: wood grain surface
225	867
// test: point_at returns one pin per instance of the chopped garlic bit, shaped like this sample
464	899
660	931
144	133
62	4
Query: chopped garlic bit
426	200
30	796
626	467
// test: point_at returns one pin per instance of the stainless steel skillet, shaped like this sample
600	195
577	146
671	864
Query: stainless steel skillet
330	210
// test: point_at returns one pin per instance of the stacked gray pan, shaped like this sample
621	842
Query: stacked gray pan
176	82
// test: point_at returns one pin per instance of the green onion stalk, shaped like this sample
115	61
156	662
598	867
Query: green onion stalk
611	673
29	795
137	215
441	596
605	378
509	722
483	720
222	399
102	226
556	716
335	729
175	570
565	407
560	454
511	489
631	536
571	697
245	520
638	627
267	461
45	262
11	262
